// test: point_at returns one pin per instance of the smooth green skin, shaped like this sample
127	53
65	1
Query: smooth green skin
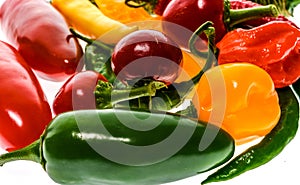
68	157
272	144
70	160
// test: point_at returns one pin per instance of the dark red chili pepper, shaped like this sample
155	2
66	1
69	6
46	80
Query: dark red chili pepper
146	54
24	110
193	13
77	92
240	4
42	37
274	46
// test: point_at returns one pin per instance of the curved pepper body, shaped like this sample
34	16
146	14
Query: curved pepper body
190	15
76	156
181	18
273	46
243	95
77	92
89	20
146	54
270	146
24	110
42	37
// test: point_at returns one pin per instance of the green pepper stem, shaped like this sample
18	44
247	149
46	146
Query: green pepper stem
280	4
30	153
209	31
136	3
148	5
107	97
242	15
91	41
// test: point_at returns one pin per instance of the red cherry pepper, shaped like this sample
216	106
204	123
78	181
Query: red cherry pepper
77	92
24	110
146	54
274	46
42	37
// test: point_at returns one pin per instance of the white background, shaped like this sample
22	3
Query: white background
284	169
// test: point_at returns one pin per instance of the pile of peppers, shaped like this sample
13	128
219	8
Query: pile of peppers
121	107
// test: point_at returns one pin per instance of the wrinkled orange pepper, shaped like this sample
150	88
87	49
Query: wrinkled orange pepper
239	97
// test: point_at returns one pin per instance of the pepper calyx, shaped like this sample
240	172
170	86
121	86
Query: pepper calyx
107	96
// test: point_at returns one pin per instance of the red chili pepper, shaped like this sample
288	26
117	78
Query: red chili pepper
146	54
241	4
24	110
274	46
77	92
42	37
193	13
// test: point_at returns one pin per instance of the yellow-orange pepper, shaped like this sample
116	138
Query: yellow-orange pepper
118	10
89	20
240	98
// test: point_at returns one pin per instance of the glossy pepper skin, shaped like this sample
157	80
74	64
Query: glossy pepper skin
24	110
181	18
270	146
225	91
77	92
89	20
42	37
146	54
273	46
68	156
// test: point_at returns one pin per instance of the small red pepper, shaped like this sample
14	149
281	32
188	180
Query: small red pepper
24	110
77	92
274	46
146	54
42	37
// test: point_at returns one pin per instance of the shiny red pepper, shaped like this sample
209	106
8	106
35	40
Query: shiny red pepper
77	92
193	13
146	54
24	110
274	46
42	37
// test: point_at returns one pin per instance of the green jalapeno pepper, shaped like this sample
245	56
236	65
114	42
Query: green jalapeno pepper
270	146
95	147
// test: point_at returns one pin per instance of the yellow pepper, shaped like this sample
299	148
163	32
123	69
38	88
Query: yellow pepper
89	20
119	11
239	97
